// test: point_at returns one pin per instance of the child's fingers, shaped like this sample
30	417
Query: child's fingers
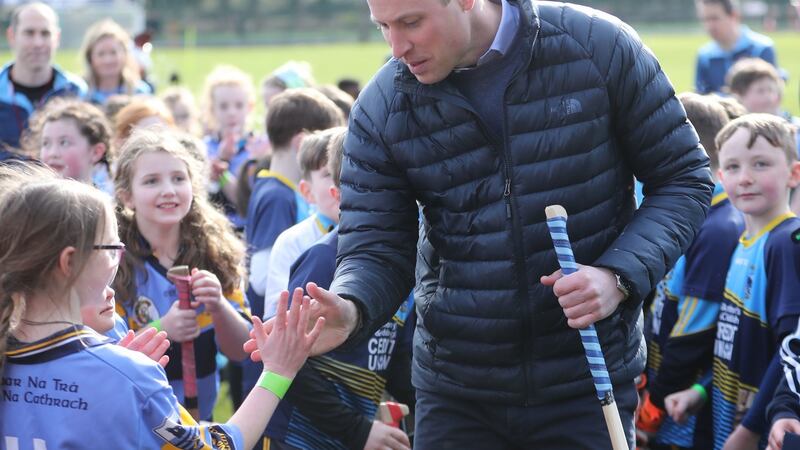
163	361
127	338
294	308
280	315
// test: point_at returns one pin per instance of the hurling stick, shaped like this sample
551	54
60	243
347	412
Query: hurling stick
557	223
181	277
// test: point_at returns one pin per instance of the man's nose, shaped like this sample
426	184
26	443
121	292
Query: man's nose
399	43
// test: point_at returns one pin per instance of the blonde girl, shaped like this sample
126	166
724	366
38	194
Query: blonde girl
109	67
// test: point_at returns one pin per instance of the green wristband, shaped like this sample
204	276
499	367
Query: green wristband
700	390
225	178
156	324
277	384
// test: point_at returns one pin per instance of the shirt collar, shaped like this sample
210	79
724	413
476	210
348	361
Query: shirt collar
509	24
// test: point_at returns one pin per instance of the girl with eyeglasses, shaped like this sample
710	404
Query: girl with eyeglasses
66	386
166	220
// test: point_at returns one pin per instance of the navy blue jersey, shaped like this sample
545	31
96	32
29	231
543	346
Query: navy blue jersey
761	306
155	295
76	389
275	205
359	376
687	307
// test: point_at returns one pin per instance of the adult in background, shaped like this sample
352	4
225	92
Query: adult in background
732	40
489	112
28	81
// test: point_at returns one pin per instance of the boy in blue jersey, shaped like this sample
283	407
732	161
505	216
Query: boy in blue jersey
731	41
684	311
275	203
315	185
758	167
334	398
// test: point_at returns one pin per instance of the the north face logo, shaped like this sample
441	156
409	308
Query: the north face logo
567	107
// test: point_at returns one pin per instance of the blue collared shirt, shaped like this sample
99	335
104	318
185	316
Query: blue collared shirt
713	62
509	24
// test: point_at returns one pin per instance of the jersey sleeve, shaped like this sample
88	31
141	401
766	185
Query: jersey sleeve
708	259
268	215
166	422
782	261
316	264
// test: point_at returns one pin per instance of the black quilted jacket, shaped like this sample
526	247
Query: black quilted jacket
590	109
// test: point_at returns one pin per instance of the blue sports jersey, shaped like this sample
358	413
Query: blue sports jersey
685	312
359	376
760	307
16	108
99	97
275	205
119	330
76	389
713	62
155	296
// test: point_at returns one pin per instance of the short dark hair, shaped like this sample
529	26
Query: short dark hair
297	110
729	6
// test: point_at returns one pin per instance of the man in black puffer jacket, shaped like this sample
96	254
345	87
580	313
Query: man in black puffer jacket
490	111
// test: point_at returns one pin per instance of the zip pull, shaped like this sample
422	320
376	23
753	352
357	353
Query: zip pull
507	196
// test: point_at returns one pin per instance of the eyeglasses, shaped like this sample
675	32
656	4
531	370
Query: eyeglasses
115	251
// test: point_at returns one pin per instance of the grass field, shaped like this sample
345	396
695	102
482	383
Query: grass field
676	52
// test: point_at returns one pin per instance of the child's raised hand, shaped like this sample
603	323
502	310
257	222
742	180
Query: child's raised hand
779	430
285	349
180	324
228	147
682	404
150	342
207	290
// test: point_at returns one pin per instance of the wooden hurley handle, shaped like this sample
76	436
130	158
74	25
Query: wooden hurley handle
614	424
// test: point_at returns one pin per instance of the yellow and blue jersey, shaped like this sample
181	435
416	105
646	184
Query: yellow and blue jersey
155	294
358	375
684	315
76	389
761	305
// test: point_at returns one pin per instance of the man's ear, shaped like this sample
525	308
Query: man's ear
10	36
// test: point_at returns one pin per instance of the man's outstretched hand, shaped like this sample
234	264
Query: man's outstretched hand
341	318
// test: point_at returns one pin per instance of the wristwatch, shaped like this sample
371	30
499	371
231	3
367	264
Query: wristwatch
623	286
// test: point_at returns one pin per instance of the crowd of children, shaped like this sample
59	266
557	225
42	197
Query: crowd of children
108	192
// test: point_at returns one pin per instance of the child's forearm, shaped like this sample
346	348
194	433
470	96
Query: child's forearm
231	331
254	414
756	417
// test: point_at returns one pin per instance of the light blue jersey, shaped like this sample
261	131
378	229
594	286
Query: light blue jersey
76	389
761	306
